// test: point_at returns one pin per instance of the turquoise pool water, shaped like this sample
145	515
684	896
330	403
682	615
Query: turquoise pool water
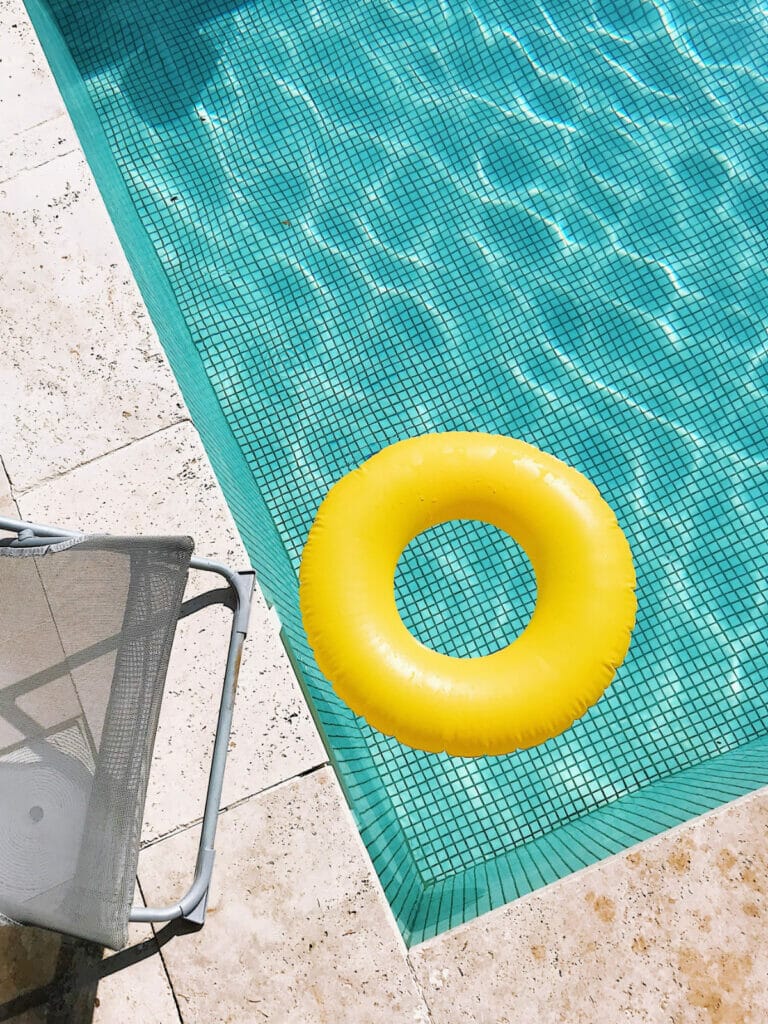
356	222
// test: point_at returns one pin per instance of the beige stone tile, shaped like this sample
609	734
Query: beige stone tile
54	978
297	931
159	484
51	704
164	484
36	146
8	734
28	963
83	372
7	503
273	737
671	932
48	705
28	93
139	991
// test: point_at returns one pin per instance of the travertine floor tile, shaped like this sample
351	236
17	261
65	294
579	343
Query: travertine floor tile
7	504
298	931
28	93
36	146
671	932
164	484
139	992
28	960
83	372
48	977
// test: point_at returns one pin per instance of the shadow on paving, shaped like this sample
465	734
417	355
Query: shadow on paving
46	978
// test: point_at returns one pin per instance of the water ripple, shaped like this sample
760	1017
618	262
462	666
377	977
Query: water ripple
547	220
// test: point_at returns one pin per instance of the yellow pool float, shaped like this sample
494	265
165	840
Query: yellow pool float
527	692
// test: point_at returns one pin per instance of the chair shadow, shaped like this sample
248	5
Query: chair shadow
46	978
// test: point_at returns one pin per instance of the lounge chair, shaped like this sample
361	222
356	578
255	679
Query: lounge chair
86	628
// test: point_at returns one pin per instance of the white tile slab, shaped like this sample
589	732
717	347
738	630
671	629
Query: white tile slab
28	93
83	372
297	930
36	146
164	484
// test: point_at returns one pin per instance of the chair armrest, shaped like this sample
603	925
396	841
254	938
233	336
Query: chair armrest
237	596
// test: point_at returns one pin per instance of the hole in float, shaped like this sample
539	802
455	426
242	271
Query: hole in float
465	588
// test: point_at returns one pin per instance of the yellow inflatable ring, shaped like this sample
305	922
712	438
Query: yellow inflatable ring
516	697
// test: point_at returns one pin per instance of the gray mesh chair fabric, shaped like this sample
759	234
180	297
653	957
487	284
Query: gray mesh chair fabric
86	628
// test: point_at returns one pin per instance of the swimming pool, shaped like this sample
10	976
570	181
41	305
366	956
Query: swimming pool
356	223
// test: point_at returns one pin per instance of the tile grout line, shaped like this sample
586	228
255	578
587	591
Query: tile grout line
186	828
398	935
428	1019
163	961
4	468
419	988
35	167
102	455
11	489
149	843
46	120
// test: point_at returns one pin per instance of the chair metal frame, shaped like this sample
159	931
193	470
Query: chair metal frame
237	596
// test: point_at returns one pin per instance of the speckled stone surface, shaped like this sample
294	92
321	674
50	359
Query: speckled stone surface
164	484
128	994
46	977
672	932
137	992
7	504
297	928
82	367
28	94
32	147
